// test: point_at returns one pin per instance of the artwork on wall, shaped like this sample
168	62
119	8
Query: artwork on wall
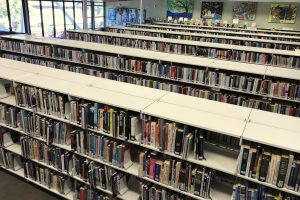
124	16
244	11
112	14
180	8
211	10
283	13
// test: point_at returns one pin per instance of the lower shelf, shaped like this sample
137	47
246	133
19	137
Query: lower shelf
20	173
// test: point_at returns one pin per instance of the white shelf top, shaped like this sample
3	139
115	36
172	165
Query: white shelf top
209	106
130	89
241	29
11	74
216	31
172	58
49	83
196	118
46	71
105	96
189	42
275	120
273	136
207	35
283	73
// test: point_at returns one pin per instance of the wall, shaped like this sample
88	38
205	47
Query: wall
158	9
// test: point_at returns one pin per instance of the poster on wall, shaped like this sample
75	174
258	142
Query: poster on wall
180	8
211	10
124	16
284	13
244	11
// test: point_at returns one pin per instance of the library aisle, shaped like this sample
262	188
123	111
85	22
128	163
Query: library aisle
13	188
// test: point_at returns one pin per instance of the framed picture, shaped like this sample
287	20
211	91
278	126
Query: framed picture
284	13
244	11
180	8
211	10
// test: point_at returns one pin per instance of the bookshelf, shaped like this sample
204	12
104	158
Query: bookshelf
225	39
237	29
219	32
264	56
283	75
243	124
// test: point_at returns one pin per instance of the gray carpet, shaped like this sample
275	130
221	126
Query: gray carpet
13	188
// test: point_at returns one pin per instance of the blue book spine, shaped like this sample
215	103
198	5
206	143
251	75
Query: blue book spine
96	108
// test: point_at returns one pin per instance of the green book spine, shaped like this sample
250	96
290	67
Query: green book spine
284	162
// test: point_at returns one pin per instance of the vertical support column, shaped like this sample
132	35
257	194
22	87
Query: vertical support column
141	12
84	14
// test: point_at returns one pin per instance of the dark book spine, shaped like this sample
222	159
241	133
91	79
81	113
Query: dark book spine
282	171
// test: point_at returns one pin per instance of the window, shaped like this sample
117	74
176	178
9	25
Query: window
95	15
59	19
11	16
35	18
51	18
99	15
4	22
48	19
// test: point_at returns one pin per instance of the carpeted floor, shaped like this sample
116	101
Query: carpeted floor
13	188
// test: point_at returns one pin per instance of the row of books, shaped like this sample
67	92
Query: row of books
176	173
149	31
270	165
10	160
150	192
205	77
79	56
53	156
230	54
47	177
35	125
116	122
85	193
95	38
95	175
246	192
111	152
114	152
241	100
181	139
201	31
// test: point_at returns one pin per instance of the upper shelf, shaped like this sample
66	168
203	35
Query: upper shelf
197	118
213	107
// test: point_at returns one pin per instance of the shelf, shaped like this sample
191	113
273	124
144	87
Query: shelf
149	55
199	35
130	195
239	29
130	89
20	173
8	73
279	131
45	71
200	119
281	72
269	185
183	42
117	99
56	85
209	106
15	148
215	31
221	190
